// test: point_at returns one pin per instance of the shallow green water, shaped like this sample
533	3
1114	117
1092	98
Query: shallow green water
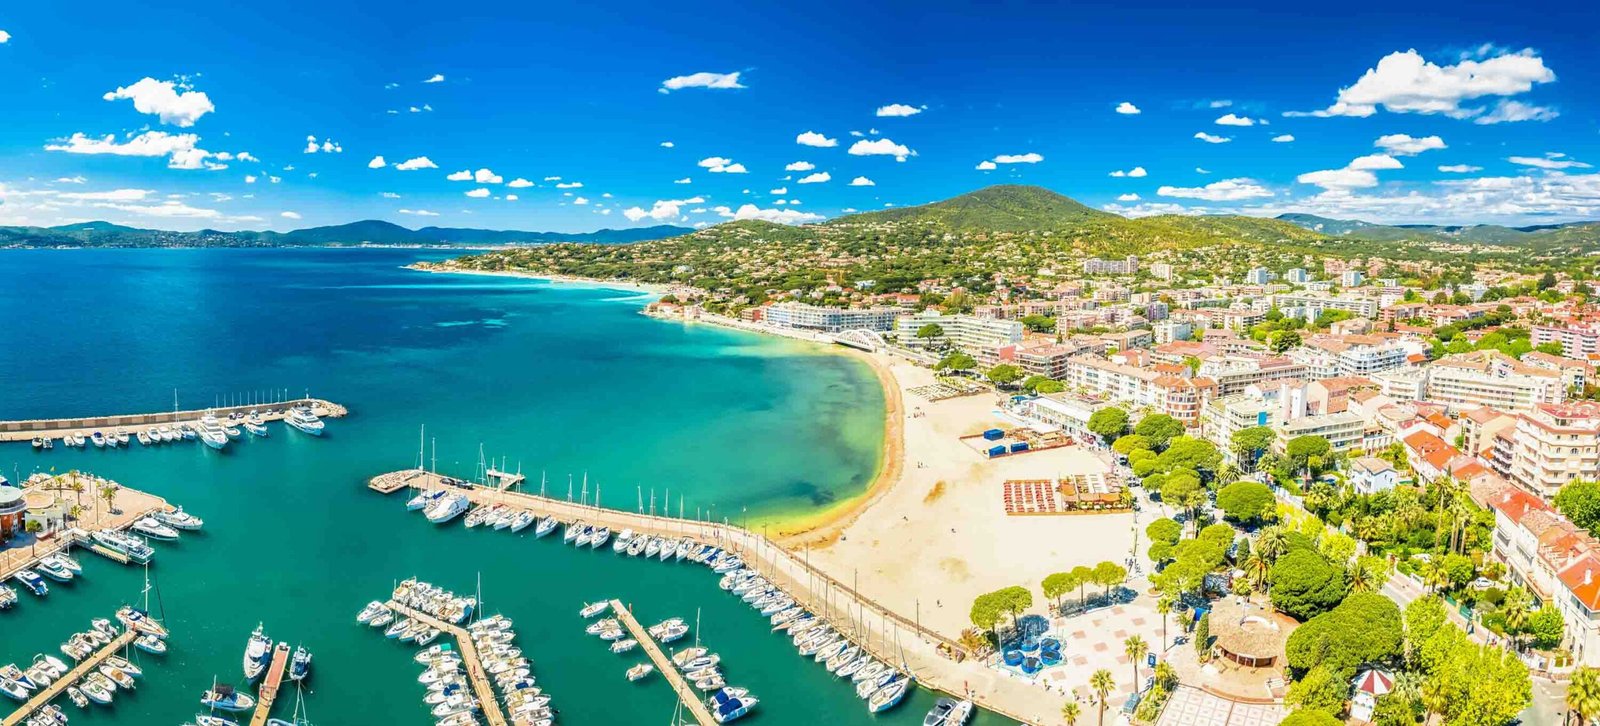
567	380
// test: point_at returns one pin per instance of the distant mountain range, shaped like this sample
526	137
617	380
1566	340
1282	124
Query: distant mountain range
371	232
1491	234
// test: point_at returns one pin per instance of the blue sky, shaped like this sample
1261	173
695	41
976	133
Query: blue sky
172	117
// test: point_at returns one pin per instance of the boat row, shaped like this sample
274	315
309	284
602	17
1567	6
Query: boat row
18	683
50	715
58	566
259	652
433	600
881	685
525	702
127	545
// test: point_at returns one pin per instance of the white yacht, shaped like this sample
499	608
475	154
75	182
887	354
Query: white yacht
212	433
303	419
448	509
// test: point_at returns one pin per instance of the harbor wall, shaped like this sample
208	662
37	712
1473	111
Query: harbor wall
25	430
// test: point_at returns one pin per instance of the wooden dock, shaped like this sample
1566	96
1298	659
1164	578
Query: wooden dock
686	692
269	687
482	685
83	668
394	481
55	428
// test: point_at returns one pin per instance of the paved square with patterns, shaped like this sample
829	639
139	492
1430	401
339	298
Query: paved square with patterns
1194	707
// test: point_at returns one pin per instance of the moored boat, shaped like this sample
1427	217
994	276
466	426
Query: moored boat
257	652
154	529
303	420
179	519
223	697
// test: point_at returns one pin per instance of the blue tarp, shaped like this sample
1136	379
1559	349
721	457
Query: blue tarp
993	434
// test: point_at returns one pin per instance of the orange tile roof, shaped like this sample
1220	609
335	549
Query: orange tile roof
1581	579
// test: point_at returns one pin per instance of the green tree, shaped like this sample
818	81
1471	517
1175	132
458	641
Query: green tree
1159	429
1004	374
1084	575
930	331
1185	452
1039	323
956	361
1108	575
1202	638
1583	694
1246	502
1306	452
1424	617
1102	684
1070	711
1130	443
1458	569
1057	584
1365	628
1248	444
1305	584
1320	689
1049	385
1546	628
1135	648
1580	502
1109	423
1284	341
1310	717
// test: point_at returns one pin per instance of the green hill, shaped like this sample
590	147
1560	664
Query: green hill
1002	208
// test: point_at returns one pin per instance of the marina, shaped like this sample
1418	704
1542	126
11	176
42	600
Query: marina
268	694
56	495
83	669
132	425
686	693
482	686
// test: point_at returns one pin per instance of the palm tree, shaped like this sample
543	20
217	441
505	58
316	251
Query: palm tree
1228	474
1363	578
1257	569
1102	684
1135	648
1070	712
1272	543
1164	606
1583	694
1517	607
108	492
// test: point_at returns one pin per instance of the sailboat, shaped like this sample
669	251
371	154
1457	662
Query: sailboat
299	718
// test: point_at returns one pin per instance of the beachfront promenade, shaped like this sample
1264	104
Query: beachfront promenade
27	430
686	692
893	637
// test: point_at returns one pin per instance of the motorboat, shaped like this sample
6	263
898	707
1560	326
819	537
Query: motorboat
304	420
619	544
451	507
428	636
67	561
154	434
154	529
300	665
257	652
168	434
730	704
381	619
371	611
211	432
599	626
187	432
78	699
53	570
117	676
688	654
423	499
98	439
637	546
142	437
699	663
127	545
97	688
234	432
889	695
209	720
141	621
104	627
32	581
640	671
179	519
225	698
122	664
255	425
12	673
399	626
623	646
122	437
594	608
150	644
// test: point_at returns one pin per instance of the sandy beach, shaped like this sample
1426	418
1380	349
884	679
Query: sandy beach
626	285
931	533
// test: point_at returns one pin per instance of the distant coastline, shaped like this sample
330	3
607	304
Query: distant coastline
816	527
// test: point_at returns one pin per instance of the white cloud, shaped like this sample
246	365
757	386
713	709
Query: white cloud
779	216
273	179
519	183
246	156
881	147
417	109
1212	138
816	178
512	197
1028	158
1404	82
899	109
421	162
1128	198
711	162
580	201
1150	209
328	146
800	166
862	181
1459	168
1227	190
173	102
1339	179
179	149
1200	170
701	80
1374	162
1219	103
484	176
419	212
1128	109
1548	161
1407	145
685	180
779	191
986	165
290	215
667	144
71	180
664	210
1235	120
169	209
377	163
115	195
570	185
1283	138
4	37
463	175
435	78
552	178
390	195
1135	172
1508	111
478	193
812	138
249	178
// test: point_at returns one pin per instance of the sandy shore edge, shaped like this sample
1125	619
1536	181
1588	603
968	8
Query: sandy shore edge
622	285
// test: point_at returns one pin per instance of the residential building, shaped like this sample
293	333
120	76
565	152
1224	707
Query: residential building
1233	373
1225	416
800	316
1370	475
1575	340
1308	307
1048	359
1297	276
1344	431
1171	330
1258	276
1161	270
1326	356
1126	266
1491	378
1351	278
981	338
1555	444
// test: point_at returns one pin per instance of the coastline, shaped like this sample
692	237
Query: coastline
621	285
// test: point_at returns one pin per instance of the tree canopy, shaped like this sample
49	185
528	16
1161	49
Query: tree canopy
956	361
1579	501
1109	422
1004	374
1305	584
1247	502
1365	628
1158	429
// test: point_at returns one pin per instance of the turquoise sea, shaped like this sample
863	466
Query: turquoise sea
565	380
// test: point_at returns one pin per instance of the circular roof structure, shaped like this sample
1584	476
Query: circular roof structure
11	500
1248	630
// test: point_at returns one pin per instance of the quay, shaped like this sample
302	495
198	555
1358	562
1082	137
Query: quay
269	687
686	692
481	684
936	661
45	493
59	686
55	428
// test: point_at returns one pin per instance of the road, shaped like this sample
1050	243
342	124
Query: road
1549	704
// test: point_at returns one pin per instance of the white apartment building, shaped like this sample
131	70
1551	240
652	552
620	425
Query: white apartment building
1554	444
800	316
1351	278
1235	372
1344	431
1349	356
1576	341
1309	307
978	337
1258	276
1161	270
1493	379
1125	266
1227	415
1297	276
